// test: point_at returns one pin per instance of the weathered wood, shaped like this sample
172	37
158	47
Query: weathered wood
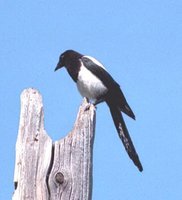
45	170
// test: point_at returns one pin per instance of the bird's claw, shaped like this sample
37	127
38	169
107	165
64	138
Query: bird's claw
87	107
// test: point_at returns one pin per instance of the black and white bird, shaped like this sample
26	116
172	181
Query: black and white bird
97	85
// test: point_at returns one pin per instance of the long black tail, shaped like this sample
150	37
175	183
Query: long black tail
124	135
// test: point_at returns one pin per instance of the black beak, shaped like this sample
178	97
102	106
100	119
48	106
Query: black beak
59	65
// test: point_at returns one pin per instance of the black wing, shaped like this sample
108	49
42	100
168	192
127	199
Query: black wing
100	72
115	94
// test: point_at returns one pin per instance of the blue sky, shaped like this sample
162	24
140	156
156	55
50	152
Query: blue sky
140	44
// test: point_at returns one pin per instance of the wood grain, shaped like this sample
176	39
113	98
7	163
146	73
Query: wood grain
47	170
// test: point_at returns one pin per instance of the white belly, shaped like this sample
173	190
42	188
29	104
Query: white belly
89	85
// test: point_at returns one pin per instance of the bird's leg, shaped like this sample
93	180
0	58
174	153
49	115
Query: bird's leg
87	100
87	107
93	103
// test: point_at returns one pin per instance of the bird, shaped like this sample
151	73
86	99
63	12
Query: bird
97	86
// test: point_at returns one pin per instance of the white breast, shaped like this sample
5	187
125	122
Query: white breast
89	85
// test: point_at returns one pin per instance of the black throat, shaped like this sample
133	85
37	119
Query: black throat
73	69
72	61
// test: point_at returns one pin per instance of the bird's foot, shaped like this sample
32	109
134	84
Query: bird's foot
87	107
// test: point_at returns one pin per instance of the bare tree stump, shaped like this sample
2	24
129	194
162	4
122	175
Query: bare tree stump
47	170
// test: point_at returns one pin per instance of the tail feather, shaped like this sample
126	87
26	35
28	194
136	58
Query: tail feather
128	111
118	97
124	135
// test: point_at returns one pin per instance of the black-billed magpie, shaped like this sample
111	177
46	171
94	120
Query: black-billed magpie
97	85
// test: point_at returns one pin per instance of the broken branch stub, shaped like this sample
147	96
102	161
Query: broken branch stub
47	170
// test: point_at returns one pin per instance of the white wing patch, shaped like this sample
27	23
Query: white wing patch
95	61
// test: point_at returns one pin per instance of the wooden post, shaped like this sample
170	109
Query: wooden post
47	170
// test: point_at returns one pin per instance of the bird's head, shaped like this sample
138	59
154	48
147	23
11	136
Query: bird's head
68	58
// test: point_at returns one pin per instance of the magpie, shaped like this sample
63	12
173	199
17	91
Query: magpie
97	85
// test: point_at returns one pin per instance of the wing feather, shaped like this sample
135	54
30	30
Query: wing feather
115	94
